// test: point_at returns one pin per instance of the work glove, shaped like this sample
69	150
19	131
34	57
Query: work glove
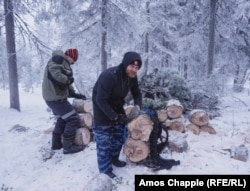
70	80
122	119
79	96
135	112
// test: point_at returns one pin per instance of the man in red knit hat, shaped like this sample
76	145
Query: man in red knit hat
56	88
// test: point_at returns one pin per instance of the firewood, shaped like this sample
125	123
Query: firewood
86	119
199	117
82	136
136	150
207	128
162	115
179	145
174	109
176	124
140	128
193	128
82	106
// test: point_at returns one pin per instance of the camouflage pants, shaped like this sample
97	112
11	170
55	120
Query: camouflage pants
109	141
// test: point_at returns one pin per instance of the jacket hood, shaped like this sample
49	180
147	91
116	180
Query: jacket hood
59	53
129	57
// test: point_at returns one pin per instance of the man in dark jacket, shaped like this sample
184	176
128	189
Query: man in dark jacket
110	120
56	88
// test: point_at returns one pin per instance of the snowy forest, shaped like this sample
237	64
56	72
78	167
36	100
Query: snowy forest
204	42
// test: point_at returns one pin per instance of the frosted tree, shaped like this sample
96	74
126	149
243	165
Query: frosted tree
11	54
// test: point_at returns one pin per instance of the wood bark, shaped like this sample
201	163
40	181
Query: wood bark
136	150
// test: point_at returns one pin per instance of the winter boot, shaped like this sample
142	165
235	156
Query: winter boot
56	142
111	175
69	147
116	162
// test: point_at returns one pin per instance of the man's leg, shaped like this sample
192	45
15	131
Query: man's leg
67	113
102	137
117	140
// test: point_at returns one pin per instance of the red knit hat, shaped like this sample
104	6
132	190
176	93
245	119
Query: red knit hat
73	53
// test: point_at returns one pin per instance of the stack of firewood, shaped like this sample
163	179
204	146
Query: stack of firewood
85	112
136	147
199	121
174	116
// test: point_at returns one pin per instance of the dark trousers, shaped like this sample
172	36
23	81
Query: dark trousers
109	141
68	120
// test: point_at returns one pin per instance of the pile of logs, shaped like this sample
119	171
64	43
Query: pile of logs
136	147
85	112
199	121
172	116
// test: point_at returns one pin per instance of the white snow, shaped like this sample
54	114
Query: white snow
22	167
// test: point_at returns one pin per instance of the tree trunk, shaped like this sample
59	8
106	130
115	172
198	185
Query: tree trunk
11	54
210	61
146	42
104	35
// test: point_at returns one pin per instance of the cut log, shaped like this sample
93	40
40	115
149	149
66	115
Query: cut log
174	109
177	126
162	115
86	119
207	128
199	117
82	136
193	128
136	150
141	127
179	145
82	106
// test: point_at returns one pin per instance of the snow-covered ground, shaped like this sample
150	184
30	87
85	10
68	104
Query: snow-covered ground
22	167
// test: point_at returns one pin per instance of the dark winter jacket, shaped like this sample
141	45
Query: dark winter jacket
110	90
56	75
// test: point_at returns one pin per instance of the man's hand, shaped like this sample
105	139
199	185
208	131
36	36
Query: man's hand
70	80
122	119
79	96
